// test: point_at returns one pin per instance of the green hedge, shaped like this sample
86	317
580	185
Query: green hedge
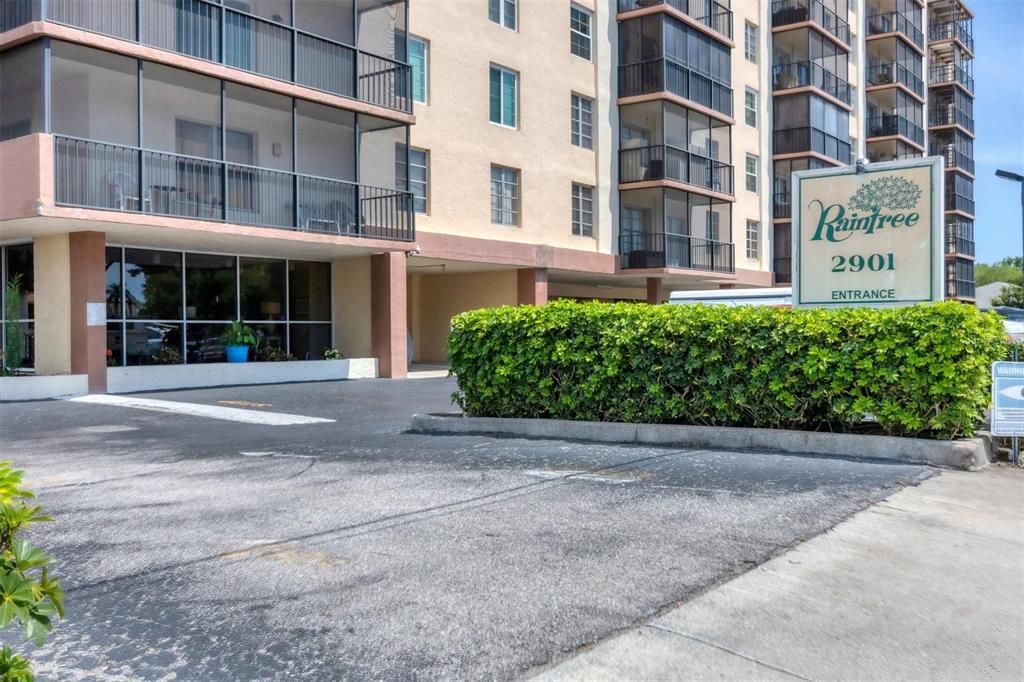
920	371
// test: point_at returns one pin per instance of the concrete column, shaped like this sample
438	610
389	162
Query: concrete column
52	290
654	293
532	286
88	269
388	313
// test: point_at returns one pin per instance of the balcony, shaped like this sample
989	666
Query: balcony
954	157
959	246
665	162
895	22
888	125
950	73
959	288
809	74
797	140
951	30
208	30
782	205
642	250
783	270
666	75
893	72
714	15
787	12
113	177
948	114
958	202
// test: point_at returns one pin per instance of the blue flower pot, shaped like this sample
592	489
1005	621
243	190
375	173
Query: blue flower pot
238	353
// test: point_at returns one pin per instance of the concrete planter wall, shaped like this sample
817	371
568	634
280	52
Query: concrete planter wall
169	377
43	387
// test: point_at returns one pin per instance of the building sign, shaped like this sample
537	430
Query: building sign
869	238
1008	398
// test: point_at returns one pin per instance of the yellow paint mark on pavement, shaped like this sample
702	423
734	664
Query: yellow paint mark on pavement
244	403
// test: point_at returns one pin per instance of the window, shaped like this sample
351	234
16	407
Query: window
417	174
579	32
17	300
582	122
753	239
502	12
418	60
750	43
582	210
750	107
504	96
752	173
504	195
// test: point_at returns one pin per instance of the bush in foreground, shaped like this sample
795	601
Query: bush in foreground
919	371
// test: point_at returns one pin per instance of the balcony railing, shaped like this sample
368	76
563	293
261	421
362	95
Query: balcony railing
783	269
665	162
955	158
785	12
959	245
958	202
895	22
948	114
113	177
946	73
782	203
214	32
959	288
893	72
796	140
951	30
712	14
894	124
809	74
639	250
667	75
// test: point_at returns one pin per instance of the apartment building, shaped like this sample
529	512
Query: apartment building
608	149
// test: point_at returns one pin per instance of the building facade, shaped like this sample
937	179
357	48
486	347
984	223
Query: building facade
350	174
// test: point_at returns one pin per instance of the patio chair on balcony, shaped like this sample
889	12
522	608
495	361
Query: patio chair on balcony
123	185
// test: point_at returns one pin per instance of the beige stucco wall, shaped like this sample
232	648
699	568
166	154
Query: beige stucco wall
350	278
436	298
454	125
52	281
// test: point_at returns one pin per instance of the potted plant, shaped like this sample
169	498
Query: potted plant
239	338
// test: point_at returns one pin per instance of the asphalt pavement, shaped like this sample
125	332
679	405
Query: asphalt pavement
199	548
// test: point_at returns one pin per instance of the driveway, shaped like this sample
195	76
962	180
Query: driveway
202	548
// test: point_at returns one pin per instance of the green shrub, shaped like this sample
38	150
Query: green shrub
919	371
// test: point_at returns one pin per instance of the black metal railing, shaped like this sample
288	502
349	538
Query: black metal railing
782	205
208	30
948	73
795	140
951	30
959	288
894	124
658	75
949	114
958	202
783	270
959	245
894	72
665	162
714	15
785	12
895	22
809	74
114	177
638	250
954	157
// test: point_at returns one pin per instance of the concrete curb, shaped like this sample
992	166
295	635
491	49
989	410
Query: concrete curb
970	454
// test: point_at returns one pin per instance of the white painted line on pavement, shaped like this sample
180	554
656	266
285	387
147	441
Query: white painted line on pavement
196	410
261	453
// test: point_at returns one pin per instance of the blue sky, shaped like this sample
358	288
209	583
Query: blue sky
999	125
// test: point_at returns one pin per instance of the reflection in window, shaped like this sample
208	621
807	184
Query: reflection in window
152	281
210	287
17	305
262	289
309	287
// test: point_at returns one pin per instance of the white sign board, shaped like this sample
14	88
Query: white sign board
1008	398
868	238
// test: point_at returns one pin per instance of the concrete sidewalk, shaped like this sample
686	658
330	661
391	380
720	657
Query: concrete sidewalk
926	585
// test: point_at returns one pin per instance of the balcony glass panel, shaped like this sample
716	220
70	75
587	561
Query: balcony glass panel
886	125
181	112
830	15
715	15
897	22
950	73
14	13
259	127
21	91
94	95
331	20
110	17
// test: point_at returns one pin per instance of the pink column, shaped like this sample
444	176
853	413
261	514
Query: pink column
654	290
387	314
533	286
88	265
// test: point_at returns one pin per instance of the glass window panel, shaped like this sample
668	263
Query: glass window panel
262	289
259	127
181	112
21	91
204	343
210	287
152	343
309	287
115	344
418	60
326	137
20	267
309	341
95	94
332	20
153	285
113	294
273	339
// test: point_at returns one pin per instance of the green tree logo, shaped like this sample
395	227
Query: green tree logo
890	192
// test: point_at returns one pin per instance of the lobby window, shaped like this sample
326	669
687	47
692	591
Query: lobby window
750	43
419	60
503	12
582	210
580	40
17	306
753	239
504	195
418	165
504	96
750	107
582	122
751	173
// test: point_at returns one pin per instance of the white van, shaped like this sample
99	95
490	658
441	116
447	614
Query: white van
770	296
